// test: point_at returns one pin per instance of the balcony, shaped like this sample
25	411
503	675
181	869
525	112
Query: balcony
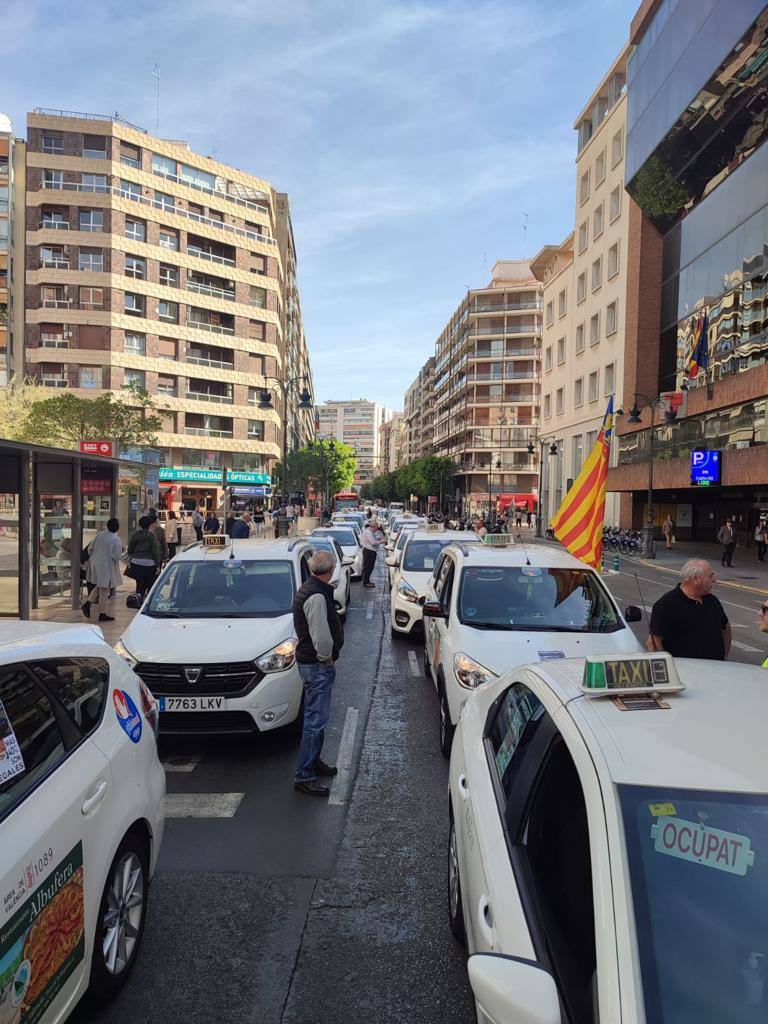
210	396
54	380
203	288
220	364
54	264
54	225
504	307
213	328
492	354
169	390
207	432
218	193
523	396
56	303
507	375
202	254
507	329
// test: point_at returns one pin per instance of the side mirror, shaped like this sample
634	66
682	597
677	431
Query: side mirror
348	560
434	610
509	989
132	601
633	614
391	561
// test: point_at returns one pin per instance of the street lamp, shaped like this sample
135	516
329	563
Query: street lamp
635	417
265	403
552	451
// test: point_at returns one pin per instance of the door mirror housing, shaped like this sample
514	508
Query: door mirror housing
434	610
632	613
508	988
348	560
391	561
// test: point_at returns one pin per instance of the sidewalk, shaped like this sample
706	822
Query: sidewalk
746	572
116	606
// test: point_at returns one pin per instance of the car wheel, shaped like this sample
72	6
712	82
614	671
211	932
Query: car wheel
445	726
120	924
455	908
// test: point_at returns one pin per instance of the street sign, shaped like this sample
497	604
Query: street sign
98	448
706	468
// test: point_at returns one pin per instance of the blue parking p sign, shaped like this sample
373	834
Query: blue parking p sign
706	468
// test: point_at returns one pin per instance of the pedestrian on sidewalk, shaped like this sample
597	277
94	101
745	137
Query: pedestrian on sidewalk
533	520
198	521
144	554
668	530
241	528
689	621
104	553
172	533
726	536
320	639
761	539
372	540
211	525
159	531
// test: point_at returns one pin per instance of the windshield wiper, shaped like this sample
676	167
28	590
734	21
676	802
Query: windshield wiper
165	615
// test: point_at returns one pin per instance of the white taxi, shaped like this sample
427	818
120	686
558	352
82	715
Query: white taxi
606	826
81	818
411	565
349	541
407	522
491	607
214	640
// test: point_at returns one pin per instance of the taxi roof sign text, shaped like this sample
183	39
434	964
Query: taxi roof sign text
614	676
215	541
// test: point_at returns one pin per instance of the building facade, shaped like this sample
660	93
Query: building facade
148	264
357	424
697	169
584	283
12	177
419	414
487	373
391	444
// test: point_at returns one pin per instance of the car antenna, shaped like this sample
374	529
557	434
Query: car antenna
519	537
642	601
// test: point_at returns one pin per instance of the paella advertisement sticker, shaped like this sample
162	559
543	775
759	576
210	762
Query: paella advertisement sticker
11	761
42	943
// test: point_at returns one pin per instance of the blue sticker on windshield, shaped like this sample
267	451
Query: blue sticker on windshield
530	570
127	714
470	612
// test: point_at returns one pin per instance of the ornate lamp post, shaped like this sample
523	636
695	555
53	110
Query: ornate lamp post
635	417
265	403
552	451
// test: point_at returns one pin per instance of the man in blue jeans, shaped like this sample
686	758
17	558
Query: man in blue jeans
320	639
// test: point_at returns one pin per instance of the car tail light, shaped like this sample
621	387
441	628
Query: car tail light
149	706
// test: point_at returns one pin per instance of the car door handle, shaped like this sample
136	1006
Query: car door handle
484	919
92	801
463	787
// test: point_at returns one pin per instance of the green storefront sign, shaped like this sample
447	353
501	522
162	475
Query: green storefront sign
236	476
213	476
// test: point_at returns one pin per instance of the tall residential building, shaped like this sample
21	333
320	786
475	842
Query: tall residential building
150	263
419	414
355	423
487	371
12	176
584	297
697	169
391	446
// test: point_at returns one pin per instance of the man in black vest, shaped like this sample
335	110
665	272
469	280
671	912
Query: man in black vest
320	639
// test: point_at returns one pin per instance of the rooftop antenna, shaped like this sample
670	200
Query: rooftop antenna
156	74
525	232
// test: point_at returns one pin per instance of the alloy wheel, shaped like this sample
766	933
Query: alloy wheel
123	913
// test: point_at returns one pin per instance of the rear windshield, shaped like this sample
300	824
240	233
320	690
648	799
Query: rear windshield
225	588
421	555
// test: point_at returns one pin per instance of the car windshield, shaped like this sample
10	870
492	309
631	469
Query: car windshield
421	555
345	537
224	588
699	875
532	598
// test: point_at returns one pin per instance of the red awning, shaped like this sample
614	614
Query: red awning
527	502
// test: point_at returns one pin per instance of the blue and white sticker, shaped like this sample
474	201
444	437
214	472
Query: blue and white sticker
530	570
127	714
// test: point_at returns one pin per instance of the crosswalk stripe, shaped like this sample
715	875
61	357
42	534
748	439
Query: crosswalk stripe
414	663
202	805
340	787
369	612
746	647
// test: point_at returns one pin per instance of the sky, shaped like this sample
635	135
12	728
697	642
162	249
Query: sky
412	136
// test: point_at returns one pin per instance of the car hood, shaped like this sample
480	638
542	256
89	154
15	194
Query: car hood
501	651
204	640
418	580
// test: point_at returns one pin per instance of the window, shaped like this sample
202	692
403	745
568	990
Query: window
617	147
130	190
591	439
89	376
258	296
216	215
548	358
166	385
53	143
163	165
94	183
577	454
609	375
593	386
135	377
169	276
56	256
598	219
91	220
597	274
130	155
136	266
594	329
600	168
578	392
256	330
580	338
255	430
53	179
197	178
256	363
50	219
581	286
135	229
613	260
614	206
91	259
168	312
54	296
611	318
29	719
163	201
562	304
583	235
560	351
136	344
195	210
91	298
95	147
559	401
550	314
167	348
169	239
258	263
547	406
135	304
584	188
515	725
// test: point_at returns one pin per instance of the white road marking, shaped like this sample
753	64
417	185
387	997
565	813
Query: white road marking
746	647
665	586
340	787
415	671
181	763
369	612
202	805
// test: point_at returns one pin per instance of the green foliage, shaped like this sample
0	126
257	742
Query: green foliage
16	400
423	477
328	463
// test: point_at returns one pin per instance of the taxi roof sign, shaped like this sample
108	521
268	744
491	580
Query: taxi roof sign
498	540
215	541
609	675
435	527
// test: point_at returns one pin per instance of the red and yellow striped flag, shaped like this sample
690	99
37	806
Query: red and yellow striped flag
578	523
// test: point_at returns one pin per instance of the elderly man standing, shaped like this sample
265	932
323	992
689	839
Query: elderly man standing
689	621
241	528
320	639
372	540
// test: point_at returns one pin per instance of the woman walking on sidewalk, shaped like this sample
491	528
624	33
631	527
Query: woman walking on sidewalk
668	529
103	570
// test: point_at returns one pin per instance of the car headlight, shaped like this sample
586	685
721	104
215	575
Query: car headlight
406	591
471	673
125	654
279	658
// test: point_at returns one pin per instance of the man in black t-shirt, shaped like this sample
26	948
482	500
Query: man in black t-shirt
689	621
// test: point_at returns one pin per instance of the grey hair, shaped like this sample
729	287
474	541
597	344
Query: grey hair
321	562
693	567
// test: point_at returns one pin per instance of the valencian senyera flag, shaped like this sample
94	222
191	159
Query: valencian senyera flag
578	523
700	350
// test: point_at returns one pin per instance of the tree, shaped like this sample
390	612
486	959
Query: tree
329	463
16	400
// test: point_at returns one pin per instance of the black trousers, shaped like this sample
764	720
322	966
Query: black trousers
198	532
369	561
728	550
145	577
761	549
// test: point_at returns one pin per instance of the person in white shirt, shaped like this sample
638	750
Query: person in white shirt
372	541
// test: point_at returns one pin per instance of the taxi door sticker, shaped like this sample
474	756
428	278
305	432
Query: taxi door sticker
127	714
42	944
11	760
712	847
